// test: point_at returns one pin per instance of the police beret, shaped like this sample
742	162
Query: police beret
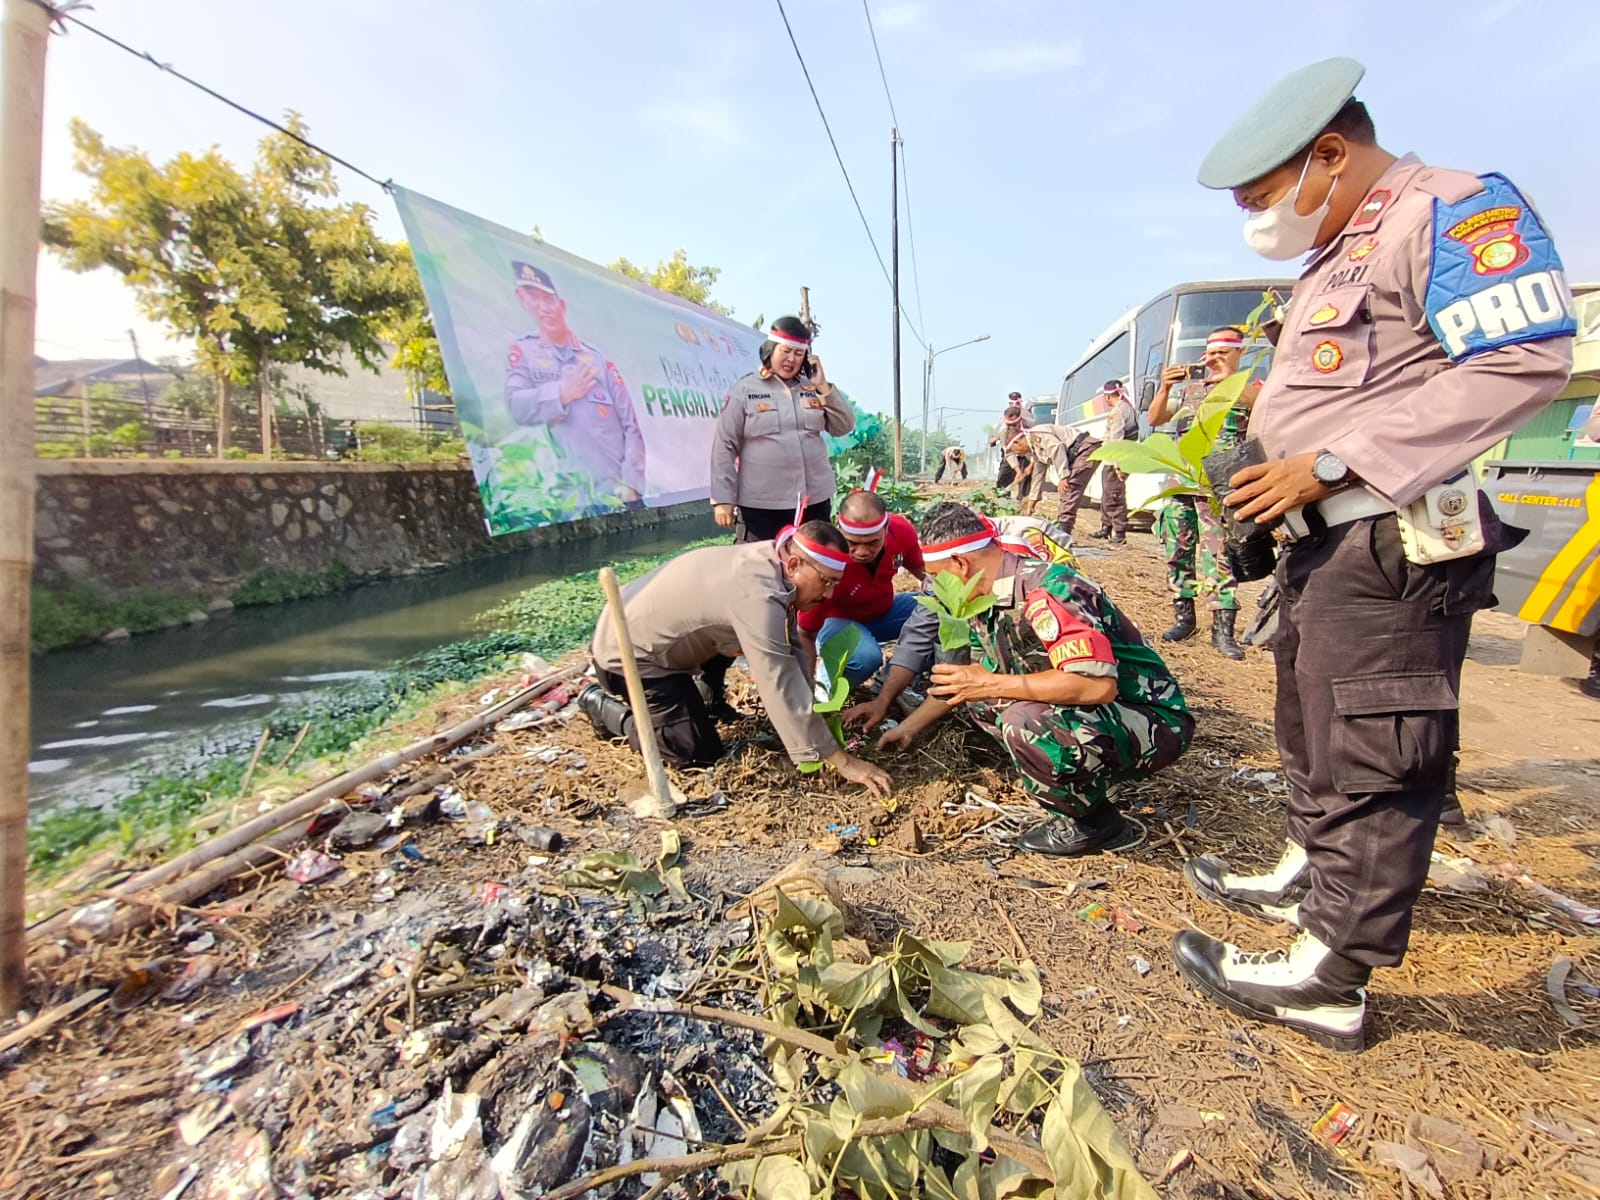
529	276
1281	122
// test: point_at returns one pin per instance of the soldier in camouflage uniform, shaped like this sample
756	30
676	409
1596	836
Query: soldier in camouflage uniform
1065	683
1189	526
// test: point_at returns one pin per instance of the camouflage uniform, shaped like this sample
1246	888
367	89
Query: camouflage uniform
1048	616
1189	526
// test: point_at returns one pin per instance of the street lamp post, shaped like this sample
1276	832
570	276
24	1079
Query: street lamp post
927	382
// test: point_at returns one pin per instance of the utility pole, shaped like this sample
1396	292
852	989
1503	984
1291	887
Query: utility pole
894	254
927	382
144	389
23	34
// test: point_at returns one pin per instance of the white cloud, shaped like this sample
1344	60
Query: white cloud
1040	59
710	124
898	16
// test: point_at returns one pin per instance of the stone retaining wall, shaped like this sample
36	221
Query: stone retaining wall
201	528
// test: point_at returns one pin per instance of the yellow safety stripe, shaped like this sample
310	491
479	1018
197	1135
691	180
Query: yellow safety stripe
1554	578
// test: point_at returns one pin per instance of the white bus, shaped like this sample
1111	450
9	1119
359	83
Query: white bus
1170	328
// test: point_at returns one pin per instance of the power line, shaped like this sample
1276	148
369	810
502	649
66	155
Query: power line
839	158
916	277
911	232
63	13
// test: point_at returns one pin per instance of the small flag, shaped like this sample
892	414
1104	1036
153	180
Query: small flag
871	480
800	505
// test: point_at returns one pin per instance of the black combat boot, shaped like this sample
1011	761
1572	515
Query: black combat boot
1275	895
1183	610
1104	828
1103	532
611	718
1591	686
714	688
1222	633
1307	987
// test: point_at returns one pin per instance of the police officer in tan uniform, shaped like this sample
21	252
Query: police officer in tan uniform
1065	449
554	379
1431	319
692	615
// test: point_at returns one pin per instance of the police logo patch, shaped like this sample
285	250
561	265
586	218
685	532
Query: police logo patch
515	356
1364	249
1497	255
1323	315
616	375
1373	208
604	412
763	408
816	404
1327	357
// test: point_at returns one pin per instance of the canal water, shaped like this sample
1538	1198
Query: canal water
102	714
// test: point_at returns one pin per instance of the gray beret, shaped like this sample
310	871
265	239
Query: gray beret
1281	122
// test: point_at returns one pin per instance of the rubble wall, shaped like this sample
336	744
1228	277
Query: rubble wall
201	528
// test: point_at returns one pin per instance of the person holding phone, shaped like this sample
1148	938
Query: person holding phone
1190	530
767	455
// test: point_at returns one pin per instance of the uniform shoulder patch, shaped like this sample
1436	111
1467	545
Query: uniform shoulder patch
1494	278
616	375
514	355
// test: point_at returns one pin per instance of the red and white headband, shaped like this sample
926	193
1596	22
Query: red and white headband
852	529
1229	340
820	555
788	339
967	543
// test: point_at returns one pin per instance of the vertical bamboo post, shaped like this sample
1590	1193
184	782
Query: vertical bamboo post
23	34
655	772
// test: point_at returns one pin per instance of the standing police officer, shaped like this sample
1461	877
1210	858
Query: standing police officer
554	379
1430	321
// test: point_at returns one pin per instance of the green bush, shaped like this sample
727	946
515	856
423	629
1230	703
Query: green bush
273	586
63	616
235	453
57	450
384	442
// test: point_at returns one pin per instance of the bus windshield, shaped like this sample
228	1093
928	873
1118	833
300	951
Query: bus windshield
1201	312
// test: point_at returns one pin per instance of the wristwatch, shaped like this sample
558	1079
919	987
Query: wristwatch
1330	469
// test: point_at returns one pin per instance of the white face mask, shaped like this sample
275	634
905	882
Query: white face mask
1280	233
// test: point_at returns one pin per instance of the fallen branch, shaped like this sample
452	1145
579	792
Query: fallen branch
308	802
49	1019
675	1168
944	1116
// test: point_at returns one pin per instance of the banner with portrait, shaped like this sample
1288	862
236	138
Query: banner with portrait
579	391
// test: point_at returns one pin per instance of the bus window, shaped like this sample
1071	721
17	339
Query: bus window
1201	312
1150	349
1084	384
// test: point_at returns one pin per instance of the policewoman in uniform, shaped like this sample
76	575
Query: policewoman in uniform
767	454
1431	319
554	379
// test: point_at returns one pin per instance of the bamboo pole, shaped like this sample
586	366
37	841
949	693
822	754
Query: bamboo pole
23	35
654	771
308	802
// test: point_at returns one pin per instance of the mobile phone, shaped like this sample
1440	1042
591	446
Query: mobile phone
808	367
1197	371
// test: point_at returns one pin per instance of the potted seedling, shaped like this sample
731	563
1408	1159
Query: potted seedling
956	603
833	689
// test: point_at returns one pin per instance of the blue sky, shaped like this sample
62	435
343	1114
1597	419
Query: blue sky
1051	144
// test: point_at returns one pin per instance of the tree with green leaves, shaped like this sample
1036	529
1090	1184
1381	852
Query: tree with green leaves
678	276
258	268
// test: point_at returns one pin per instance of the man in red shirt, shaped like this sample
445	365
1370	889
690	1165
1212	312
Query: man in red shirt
881	543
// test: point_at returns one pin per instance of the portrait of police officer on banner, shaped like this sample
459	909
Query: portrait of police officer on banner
555	379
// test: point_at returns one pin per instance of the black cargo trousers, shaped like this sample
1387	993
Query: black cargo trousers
1368	654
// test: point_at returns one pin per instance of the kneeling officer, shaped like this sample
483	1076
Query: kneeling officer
692	615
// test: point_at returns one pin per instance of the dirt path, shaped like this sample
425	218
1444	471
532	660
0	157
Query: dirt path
1464	1033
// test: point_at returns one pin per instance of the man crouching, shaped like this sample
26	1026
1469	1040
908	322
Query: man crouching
1066	684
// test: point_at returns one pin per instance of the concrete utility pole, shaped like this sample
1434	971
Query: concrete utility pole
23	34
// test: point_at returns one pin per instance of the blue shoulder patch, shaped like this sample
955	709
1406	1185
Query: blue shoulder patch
1495	278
